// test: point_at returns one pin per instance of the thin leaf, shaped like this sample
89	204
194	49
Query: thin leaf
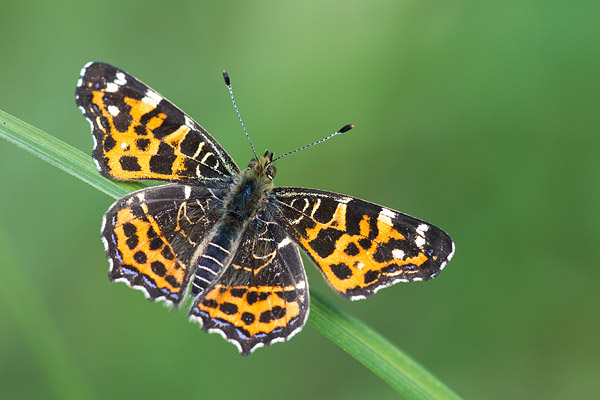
375	352
60	154
370	348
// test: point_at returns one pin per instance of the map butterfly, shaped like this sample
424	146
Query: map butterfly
228	238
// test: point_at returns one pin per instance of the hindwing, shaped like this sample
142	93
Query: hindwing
262	296
149	236
138	134
360	247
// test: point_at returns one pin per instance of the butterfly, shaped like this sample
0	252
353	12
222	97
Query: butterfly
228	238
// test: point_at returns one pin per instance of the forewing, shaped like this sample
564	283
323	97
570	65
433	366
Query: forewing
262	297
149	236
138	134
361	247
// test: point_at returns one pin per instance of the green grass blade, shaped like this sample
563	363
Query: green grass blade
375	352
60	154
363	343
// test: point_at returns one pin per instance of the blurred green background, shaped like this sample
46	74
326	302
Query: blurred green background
480	117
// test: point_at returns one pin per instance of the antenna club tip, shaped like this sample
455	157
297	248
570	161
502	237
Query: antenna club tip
346	128
226	77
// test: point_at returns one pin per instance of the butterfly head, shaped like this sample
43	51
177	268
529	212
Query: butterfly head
263	166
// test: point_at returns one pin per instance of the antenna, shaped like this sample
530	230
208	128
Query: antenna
344	129
228	83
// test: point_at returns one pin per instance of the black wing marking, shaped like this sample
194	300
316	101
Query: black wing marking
262	297
360	247
139	134
149	236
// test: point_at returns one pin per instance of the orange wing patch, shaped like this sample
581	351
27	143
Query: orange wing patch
132	151
144	255
149	237
253	310
141	135
353	263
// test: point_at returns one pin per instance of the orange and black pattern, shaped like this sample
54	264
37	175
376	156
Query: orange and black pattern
229	238
361	247
140	135
150	234
262	297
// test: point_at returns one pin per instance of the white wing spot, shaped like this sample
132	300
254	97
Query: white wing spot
421	229
120	78
420	241
152	98
398	254
82	73
284	243
387	212
150	101
102	230
300	285
189	122
113	110
111	87
385	217
123	145
188	191
449	257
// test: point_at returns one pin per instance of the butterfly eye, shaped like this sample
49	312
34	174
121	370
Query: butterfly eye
270	172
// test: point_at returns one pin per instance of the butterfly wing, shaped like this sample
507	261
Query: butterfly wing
360	247
138	134
262	297
149	236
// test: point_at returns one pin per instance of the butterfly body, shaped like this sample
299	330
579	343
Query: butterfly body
228	238
247	195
